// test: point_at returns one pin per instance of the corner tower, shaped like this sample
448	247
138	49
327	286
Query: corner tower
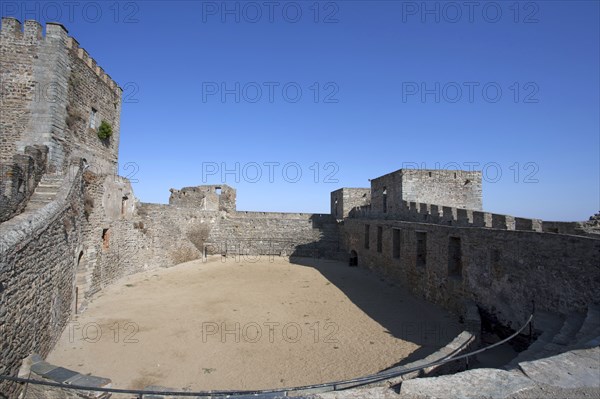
54	94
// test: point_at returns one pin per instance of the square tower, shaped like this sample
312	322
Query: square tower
453	188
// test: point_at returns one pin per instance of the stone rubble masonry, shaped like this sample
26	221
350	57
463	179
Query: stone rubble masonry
48	88
38	255
450	216
19	179
17	85
344	200
207	198
123	236
589	228
502	271
407	195
424	229
451	188
111	240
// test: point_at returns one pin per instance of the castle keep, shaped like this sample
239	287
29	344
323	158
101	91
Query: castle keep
69	227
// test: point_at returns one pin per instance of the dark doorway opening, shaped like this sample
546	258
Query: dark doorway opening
353	258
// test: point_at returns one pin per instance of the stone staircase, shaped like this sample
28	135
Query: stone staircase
589	334
563	361
550	325
575	331
45	192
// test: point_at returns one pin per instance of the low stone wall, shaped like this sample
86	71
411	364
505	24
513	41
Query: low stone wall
501	271
179	234
272	233
38	255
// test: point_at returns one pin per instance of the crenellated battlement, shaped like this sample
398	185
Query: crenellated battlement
431	213
31	32
82	54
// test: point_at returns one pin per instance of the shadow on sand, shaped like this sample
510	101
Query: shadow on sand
400	313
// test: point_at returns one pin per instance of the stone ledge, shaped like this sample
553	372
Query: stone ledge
35	367
478	383
574	369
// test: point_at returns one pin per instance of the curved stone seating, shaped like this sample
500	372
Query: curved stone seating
590	329
550	325
461	344
574	332
565	356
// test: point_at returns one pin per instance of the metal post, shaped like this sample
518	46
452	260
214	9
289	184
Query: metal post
531	324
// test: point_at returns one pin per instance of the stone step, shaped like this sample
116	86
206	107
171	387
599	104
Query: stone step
573	369
52	180
564	337
549	324
589	340
590	328
592	319
572	325
477	383
592	343
456	347
36	197
32	207
46	183
45	192
46	189
54	183
53	177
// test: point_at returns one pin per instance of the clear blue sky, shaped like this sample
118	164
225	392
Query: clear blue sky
398	83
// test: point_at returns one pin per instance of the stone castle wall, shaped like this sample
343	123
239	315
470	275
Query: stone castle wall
175	234
422	228
207	198
89	87
112	239
38	258
179	234
500	270
273	233
49	87
122	236
17	85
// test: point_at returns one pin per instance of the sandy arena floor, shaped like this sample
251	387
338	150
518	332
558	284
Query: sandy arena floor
244	325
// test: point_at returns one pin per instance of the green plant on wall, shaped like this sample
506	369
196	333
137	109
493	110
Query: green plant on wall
105	130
